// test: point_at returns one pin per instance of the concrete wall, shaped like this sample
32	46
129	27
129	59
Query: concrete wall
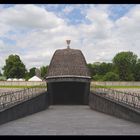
110	83
21	83
99	103
30	83
31	106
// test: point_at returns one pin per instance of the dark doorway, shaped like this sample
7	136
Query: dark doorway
68	93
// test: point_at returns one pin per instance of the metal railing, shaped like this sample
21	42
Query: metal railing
129	98
9	99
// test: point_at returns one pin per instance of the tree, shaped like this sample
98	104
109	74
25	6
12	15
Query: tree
43	70
98	70
103	68
111	76
137	71
125	63
0	73
32	72
91	69
14	67
26	77
97	77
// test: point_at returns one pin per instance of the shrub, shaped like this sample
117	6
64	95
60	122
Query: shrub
97	77
111	76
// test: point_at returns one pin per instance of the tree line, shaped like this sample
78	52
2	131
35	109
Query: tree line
125	66
15	68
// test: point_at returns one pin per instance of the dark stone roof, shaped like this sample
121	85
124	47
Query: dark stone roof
68	63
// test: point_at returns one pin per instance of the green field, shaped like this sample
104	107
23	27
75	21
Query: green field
92	86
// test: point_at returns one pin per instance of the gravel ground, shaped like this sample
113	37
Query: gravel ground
133	90
9	89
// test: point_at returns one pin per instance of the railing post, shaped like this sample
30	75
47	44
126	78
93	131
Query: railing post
131	99
8	99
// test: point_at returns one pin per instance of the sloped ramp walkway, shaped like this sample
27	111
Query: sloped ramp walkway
70	120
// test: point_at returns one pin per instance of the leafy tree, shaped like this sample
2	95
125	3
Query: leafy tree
96	68
111	76
43	70
137	71
97	77
0	73
31	72
100	69
14	67
27	76
91	69
103	68
125	63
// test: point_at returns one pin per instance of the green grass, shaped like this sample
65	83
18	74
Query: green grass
93	86
99	86
18	86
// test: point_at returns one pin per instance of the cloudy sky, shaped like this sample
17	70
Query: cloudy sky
34	32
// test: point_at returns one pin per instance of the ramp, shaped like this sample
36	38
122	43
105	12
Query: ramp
70	120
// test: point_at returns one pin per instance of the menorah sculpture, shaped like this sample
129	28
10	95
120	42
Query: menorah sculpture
68	42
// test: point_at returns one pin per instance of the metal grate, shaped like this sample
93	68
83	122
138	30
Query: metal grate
9	99
129	98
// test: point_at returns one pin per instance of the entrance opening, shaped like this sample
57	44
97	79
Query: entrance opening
68	93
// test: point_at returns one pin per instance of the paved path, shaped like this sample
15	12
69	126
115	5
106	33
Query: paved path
70	120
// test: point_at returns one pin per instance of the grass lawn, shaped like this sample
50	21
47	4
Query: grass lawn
92	86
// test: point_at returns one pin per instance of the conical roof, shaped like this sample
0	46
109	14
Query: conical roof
68	63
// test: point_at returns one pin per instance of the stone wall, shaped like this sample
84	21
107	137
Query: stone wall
23	109
108	106
32	83
110	83
21	83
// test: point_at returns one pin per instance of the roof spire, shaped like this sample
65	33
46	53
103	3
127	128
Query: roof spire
68	42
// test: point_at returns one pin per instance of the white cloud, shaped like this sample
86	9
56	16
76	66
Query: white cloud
112	37
4	52
39	33
29	16
128	30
